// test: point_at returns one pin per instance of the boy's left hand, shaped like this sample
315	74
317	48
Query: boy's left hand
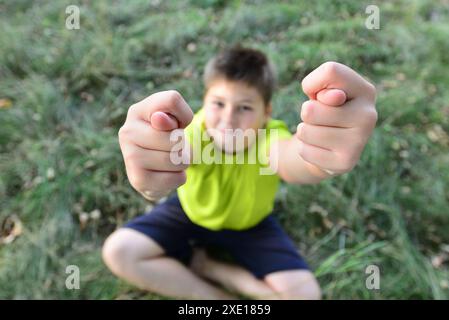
337	120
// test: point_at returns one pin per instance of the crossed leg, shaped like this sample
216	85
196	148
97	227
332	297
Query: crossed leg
289	284
141	261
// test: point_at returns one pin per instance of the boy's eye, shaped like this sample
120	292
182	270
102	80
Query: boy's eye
219	104
245	108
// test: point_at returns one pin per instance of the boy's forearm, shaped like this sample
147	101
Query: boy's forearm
292	168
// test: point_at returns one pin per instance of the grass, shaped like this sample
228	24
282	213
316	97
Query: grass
65	93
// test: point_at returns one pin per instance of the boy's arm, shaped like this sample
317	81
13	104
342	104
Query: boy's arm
337	122
290	166
146	144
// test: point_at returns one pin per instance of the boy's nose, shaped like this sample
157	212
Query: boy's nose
228	116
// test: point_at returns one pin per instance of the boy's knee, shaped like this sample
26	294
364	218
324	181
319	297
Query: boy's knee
114	253
126	247
294	285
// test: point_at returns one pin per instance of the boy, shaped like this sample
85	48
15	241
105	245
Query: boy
229	205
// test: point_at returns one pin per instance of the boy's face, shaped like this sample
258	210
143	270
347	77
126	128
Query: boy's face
231	105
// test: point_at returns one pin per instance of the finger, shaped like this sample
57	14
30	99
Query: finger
352	114
167	180
155	160
169	102
331	97
145	136
330	138
336	75
322	158
154	181
163	121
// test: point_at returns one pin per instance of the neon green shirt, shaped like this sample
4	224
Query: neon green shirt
229	195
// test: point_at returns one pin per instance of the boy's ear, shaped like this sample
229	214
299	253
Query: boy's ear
268	110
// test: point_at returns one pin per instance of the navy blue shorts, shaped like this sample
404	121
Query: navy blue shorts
262	249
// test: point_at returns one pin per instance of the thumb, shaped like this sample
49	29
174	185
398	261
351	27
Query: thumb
163	121
331	97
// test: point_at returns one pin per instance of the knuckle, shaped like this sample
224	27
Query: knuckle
135	181
131	157
306	112
303	151
132	109
372	116
304	82
348	161
300	131
330	67
189	115
359	144
303	131
174	97
124	132
120	133
371	88
357	141
369	118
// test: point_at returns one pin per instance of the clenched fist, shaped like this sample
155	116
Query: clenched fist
338	119
146	146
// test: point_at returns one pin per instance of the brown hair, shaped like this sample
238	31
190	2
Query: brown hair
243	64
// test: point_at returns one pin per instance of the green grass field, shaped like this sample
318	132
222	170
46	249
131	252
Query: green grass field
64	94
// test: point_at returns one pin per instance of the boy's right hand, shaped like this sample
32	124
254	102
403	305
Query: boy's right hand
145	143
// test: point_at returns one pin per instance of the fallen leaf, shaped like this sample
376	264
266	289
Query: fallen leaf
10	228
5	103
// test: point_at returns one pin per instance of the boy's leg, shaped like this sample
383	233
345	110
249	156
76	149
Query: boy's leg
294	284
269	261
286	285
141	261
231	276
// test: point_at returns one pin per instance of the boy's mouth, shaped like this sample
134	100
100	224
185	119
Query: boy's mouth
229	132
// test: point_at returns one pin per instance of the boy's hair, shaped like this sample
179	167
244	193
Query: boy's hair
243	64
